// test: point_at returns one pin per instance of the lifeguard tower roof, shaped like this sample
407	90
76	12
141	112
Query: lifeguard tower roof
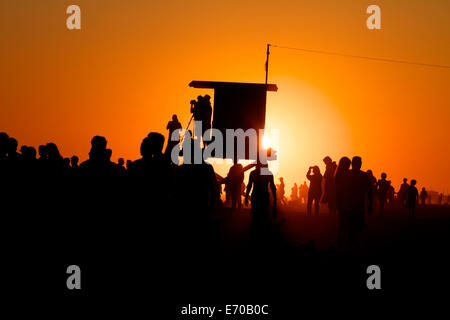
237	105
231	85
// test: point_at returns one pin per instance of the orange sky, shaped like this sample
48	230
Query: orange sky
127	71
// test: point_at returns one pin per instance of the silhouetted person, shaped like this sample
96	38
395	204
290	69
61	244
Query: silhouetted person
42	153
315	189
121	164
12	149
207	113
373	183
423	195
28	153
281	192
172	126
54	158
99	178
234	180
129	163
359	189
329	195
390	194
294	193
109	163
412	197
402	192
202	111
97	154
303	193
198	191
23	150
66	163
74	174
259	183
382	191
342	182
152	175
74	162
28	168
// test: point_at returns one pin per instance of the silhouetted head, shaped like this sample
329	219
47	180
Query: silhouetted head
356	163
146	149
327	160
121	162
207	98
414	182
316	170
12	145
52	151
42	151
66	162
344	164
98	148
405	180
156	142
31	153
28	153
383	176
174	118
281	179
370	173
108	154
74	161
295	184
23	150
129	162
98	142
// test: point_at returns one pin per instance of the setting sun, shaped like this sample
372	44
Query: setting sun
267	143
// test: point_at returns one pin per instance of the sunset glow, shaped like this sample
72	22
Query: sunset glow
127	71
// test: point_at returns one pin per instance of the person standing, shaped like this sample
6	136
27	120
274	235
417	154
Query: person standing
329	196
259	184
412	196
172	126
303	193
382	191
235	178
423	196
315	189
342	201
401	195
359	188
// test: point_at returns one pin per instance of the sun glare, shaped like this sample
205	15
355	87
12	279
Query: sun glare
267	143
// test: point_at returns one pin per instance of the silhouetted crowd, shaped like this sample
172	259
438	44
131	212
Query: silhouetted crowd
100	193
45	194
351	192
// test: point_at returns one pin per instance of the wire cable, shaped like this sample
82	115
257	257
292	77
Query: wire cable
364	57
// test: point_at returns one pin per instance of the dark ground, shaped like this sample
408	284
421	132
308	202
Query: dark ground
161	265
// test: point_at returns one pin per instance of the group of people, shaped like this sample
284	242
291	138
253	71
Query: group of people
322	191
299	194
154	179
